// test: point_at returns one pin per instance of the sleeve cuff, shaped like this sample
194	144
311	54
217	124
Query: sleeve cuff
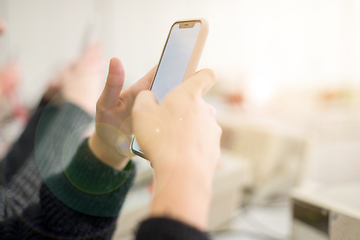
89	174
168	228
90	186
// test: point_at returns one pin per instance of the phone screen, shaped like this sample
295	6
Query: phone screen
173	63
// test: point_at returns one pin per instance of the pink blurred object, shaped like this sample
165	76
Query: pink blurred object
9	76
9	79
2	26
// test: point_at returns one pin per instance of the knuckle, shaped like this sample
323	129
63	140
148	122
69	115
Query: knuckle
209	108
195	98
219	129
144	100
141	94
210	74
212	110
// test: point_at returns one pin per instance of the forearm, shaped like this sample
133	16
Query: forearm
83	201
54	219
90	186
88	193
20	176
182	195
59	219
22	149
180	205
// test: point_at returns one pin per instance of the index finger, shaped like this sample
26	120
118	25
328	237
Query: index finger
144	83
200	82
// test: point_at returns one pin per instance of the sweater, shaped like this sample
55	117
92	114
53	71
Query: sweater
54	187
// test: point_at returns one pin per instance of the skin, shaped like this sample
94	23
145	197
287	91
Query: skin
80	82
113	116
182	140
180	137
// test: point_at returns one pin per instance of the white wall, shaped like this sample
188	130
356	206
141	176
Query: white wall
269	44
42	36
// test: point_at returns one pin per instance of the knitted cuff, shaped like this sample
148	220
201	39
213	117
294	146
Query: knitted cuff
167	228
90	186
89	174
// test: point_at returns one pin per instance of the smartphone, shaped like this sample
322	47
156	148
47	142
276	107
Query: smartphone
179	60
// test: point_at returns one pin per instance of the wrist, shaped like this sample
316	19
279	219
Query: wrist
107	154
183	203
184	194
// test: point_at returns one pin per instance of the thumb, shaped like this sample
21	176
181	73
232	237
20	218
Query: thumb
114	84
200	82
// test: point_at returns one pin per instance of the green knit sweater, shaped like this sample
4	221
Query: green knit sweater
53	187
52	184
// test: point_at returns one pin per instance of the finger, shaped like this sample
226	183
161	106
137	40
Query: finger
211	111
148	125
144	83
200	82
114	84
145	101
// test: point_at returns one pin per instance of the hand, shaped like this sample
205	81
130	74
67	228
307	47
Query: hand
182	140
80	83
9	78
112	138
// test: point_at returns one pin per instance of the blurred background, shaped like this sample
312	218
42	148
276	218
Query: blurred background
287	96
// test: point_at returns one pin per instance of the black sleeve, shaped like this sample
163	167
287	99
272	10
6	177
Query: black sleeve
80	198
72	212
23	148
162	228
48	128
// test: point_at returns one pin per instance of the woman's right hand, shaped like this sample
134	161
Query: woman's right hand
181	139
